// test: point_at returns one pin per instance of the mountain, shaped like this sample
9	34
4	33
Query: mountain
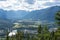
4	22
6	17
16	14
42	15
47	14
2	14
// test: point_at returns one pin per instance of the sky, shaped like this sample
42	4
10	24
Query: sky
27	5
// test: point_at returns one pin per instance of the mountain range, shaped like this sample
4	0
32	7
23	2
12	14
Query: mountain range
47	14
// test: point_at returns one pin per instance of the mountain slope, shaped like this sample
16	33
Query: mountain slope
2	14
47	14
16	14
43	14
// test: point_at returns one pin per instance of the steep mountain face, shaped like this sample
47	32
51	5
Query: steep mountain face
47	14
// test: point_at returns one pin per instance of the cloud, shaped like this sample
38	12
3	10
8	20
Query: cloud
27	5
30	1
2	0
52	4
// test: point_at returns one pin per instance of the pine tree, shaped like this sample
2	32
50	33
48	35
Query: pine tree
57	17
7	37
28	36
39	29
45	29
20	36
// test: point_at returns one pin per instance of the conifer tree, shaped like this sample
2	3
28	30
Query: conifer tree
7	37
57	17
39	29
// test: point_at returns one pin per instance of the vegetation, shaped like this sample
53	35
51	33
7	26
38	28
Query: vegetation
39	29
57	17
7	37
43	33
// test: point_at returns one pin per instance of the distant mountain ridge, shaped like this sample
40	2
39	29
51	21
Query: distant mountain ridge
43	14
2	14
6	17
47	14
